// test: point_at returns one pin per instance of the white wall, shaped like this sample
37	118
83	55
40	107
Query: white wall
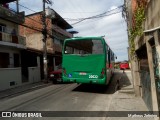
9	49
10	25
8	75
34	74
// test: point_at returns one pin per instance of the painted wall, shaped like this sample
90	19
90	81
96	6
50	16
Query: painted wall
152	15
146	91
8	75
9	26
34	74
152	21
34	41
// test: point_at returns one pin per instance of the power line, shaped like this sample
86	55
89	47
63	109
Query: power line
30	10
121	6
80	12
33	28
95	17
27	8
33	20
36	12
30	27
79	19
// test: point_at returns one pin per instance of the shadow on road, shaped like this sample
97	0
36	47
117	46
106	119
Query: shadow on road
101	89
106	89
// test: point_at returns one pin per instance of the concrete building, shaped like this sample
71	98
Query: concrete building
11	45
56	29
144	40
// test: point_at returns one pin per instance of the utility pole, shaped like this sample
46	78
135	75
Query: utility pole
44	32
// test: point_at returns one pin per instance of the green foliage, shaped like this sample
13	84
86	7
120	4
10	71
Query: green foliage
137	30
139	18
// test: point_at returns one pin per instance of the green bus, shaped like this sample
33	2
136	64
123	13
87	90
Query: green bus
87	60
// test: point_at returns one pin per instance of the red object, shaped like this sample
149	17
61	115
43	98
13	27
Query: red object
103	71
124	65
59	71
6	5
56	75
109	65
15	39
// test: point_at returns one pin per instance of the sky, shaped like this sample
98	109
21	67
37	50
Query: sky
113	26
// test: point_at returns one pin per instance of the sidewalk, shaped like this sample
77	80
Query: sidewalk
125	99
23	89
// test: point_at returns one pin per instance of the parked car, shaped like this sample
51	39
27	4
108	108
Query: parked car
56	75
124	65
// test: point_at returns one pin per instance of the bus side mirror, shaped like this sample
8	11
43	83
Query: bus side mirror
116	57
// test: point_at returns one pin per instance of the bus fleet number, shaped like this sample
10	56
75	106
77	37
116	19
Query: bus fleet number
93	76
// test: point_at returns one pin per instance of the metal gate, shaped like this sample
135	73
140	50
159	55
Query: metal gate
156	66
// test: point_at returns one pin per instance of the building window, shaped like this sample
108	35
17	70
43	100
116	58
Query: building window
4	60
2	27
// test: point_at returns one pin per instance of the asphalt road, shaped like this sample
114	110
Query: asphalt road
64	97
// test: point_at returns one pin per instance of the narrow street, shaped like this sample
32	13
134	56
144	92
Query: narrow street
78	97
56	57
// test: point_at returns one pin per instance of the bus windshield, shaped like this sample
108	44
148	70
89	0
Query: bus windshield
83	47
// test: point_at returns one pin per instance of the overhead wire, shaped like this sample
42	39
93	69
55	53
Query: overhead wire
101	15
32	18
31	27
91	27
26	8
80	19
95	17
30	10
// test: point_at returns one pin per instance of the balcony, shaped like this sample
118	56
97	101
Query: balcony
7	14
61	31
12	40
